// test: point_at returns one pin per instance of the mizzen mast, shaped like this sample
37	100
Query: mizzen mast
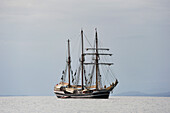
69	63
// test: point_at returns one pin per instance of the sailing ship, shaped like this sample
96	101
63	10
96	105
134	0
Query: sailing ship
91	85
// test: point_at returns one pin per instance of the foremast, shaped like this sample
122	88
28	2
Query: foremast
96	63
97	60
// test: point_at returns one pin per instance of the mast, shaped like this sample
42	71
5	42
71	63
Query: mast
96	54
97	66
82	61
69	62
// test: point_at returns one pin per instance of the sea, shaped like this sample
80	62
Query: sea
115	104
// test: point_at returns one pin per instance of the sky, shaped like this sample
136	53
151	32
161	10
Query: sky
34	33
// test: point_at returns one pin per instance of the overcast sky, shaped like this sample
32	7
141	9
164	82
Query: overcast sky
33	35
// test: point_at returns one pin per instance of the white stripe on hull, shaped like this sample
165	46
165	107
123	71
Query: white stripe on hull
92	95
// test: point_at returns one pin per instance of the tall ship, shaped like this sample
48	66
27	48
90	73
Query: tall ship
93	78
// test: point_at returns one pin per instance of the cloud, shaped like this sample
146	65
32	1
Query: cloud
32	33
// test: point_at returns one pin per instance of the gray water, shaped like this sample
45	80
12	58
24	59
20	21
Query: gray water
51	104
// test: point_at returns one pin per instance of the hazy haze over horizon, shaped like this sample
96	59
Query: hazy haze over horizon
33	36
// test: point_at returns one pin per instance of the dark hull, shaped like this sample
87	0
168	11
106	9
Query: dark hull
99	94
94	95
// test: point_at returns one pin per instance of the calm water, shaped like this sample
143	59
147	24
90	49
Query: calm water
51	104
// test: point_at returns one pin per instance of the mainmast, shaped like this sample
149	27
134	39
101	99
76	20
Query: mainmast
69	62
97	66
82	61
